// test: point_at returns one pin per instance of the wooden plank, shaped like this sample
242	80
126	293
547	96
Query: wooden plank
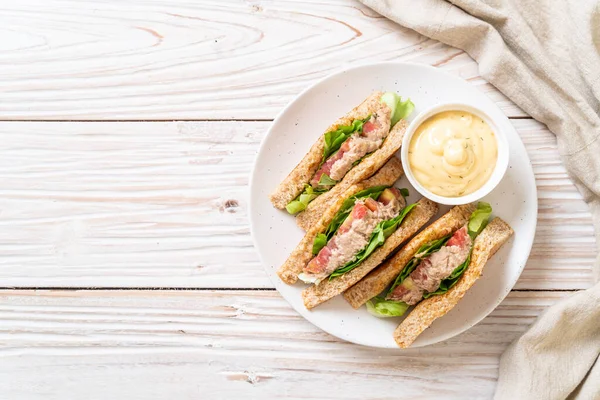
165	205
124	59
564	250
229	344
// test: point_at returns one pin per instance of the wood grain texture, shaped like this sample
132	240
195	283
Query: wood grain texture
165	205
229	344
125	59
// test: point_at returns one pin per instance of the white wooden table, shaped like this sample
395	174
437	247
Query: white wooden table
128	130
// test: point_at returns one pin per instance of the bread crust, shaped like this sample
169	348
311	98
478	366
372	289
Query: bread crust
485	246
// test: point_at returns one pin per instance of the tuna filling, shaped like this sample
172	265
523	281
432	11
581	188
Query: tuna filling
353	235
433	269
353	149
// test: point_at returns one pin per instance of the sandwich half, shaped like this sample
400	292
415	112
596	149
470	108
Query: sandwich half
357	233
430	309
438	273
411	219
382	277
351	150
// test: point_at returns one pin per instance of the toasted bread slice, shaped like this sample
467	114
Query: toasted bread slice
485	246
293	184
382	277
366	168
302	254
415	219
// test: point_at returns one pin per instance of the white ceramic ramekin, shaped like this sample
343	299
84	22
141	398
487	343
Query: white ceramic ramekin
497	174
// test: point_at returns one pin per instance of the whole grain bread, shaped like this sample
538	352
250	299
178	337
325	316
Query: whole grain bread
485	246
302	254
382	277
293	184
414	220
366	168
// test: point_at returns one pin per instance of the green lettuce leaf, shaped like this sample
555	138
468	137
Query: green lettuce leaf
400	109
300	203
429	248
326	181
319	242
335	139
382	231
479	219
380	307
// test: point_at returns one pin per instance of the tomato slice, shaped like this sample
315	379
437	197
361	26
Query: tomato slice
359	211
319	263
369	127
459	238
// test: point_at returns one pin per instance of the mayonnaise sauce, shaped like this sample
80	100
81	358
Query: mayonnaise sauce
453	153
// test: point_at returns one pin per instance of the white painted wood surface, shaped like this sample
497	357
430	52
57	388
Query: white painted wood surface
162	203
165	205
229	345
158	59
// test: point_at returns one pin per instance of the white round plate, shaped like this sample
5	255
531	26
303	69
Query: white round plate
275	233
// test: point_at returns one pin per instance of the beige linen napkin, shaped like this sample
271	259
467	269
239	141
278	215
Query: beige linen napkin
545	56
